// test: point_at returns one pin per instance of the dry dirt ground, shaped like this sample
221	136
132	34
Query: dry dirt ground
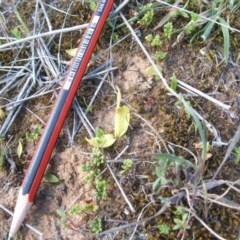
158	123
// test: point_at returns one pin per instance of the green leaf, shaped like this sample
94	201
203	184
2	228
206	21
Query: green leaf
226	38
174	82
200	126
151	72
119	97
149	38
72	52
168	30
122	119
19	148
104	141
208	30
2	114
51	178
61	213
16	33
171	158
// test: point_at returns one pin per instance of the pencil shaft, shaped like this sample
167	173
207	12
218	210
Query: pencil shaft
53	127
51	132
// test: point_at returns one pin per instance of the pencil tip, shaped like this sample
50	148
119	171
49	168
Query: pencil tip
10	238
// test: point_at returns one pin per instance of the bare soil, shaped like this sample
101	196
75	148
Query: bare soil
158	123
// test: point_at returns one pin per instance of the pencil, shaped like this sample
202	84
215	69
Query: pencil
56	119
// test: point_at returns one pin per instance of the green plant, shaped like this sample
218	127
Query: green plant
168	30
149	38
115	37
97	156
156	42
237	155
96	225
215	15
16	33
62	218
191	26
147	18
93	168
92	4
122	119
174	82
79	209
2	153
182	223
127	166
1	160
35	133
169	168
22	22
51	178
101	188
160	55
163	229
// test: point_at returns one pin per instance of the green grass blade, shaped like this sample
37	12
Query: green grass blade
208	29
226	38
201	128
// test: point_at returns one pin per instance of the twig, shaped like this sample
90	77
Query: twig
201	16
204	95
58	31
204	224
25	224
232	145
138	219
117	182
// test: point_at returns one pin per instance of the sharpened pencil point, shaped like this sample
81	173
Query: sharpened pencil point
10	238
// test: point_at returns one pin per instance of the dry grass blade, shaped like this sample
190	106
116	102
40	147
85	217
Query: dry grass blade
40	235
231	146
7	46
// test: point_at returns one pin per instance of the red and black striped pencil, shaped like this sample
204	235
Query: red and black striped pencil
56	119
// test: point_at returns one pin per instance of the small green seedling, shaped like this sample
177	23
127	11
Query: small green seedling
122	120
93	168
169	163
168	30
174	82
96	225
147	18
164	229
79	209
102	140
16	33
35	133
160	55
152	73
191	26
62	218
181	224
149	38
101	189
127	166
92	4
237	155
156	42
